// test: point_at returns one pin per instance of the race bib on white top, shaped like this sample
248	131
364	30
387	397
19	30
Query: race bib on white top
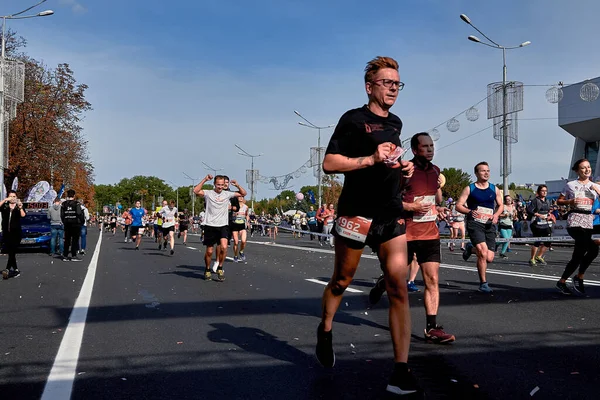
584	199
484	214
431	215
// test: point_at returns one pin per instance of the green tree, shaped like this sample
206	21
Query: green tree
456	181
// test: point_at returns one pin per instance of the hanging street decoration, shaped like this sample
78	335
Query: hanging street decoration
554	94
472	114
589	92
453	125
281	182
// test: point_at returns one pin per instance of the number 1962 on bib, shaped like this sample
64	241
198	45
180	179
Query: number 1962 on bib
355	228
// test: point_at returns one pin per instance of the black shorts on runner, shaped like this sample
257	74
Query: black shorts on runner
380	232
134	230
541	232
237	227
183	227
113	225
426	251
166	231
214	234
482	233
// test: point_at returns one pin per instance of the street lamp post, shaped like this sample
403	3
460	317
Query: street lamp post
246	154
177	193
209	168
309	124
193	193
3	150
494	45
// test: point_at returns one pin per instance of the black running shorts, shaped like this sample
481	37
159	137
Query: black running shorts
482	233
380	232
541	232
426	250
237	227
214	234
134	230
166	231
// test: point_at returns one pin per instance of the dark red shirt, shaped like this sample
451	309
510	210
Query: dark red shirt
424	182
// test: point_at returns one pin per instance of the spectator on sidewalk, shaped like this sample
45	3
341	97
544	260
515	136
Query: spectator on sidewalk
72	217
57	230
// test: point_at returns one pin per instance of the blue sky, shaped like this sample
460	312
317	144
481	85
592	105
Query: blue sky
174	84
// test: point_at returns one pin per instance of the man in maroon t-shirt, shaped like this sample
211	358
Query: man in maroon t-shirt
420	197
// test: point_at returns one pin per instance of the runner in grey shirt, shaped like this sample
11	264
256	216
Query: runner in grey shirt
216	219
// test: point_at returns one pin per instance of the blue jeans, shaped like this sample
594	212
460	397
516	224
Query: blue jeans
57	232
506	234
83	237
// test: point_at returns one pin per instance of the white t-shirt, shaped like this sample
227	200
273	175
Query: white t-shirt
168	216
217	207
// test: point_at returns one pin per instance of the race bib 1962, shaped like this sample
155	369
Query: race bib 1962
355	228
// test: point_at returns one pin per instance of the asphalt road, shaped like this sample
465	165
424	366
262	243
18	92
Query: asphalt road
154	329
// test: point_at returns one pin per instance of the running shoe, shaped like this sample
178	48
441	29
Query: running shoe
578	285
5	274
125	240
503	255
532	262
562	288
485	288
467	252
242	256
220	274
215	266
159	246
410	285
541	261
14	273
402	383
65	259
83	251
164	245
184	243
207	275
324	350
137	248
76	259
438	336
236	259
172	251
451	246
377	291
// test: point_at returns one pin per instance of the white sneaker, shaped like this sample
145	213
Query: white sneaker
125	240
215	266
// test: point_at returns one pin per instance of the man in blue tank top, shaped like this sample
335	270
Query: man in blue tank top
482	204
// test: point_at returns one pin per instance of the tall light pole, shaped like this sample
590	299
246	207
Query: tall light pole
246	154
177	190
309	124
494	45
193	193
3	139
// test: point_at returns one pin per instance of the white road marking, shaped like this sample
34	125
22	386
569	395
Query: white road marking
191	248
62	375
517	274
349	289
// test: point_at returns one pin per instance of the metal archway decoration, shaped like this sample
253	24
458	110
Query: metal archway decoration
453	125
554	94
589	92
472	114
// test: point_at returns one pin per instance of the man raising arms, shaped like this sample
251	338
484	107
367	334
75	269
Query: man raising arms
477	201
365	148
216	220
421	195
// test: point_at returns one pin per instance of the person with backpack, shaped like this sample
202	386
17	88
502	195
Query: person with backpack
73	218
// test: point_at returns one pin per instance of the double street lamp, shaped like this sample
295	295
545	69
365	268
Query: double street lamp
505	143
193	194
3	139
246	154
309	124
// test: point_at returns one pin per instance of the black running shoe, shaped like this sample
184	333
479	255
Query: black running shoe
377	291
562	287
14	273
402	383
578	285
324	351
137	248
467	252
172	251
159	246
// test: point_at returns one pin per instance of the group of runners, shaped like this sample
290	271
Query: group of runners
398	219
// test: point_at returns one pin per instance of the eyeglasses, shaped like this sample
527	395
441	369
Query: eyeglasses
388	83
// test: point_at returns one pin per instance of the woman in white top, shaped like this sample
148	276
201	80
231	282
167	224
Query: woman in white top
579	195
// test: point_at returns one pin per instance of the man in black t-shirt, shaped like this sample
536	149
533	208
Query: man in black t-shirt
365	147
